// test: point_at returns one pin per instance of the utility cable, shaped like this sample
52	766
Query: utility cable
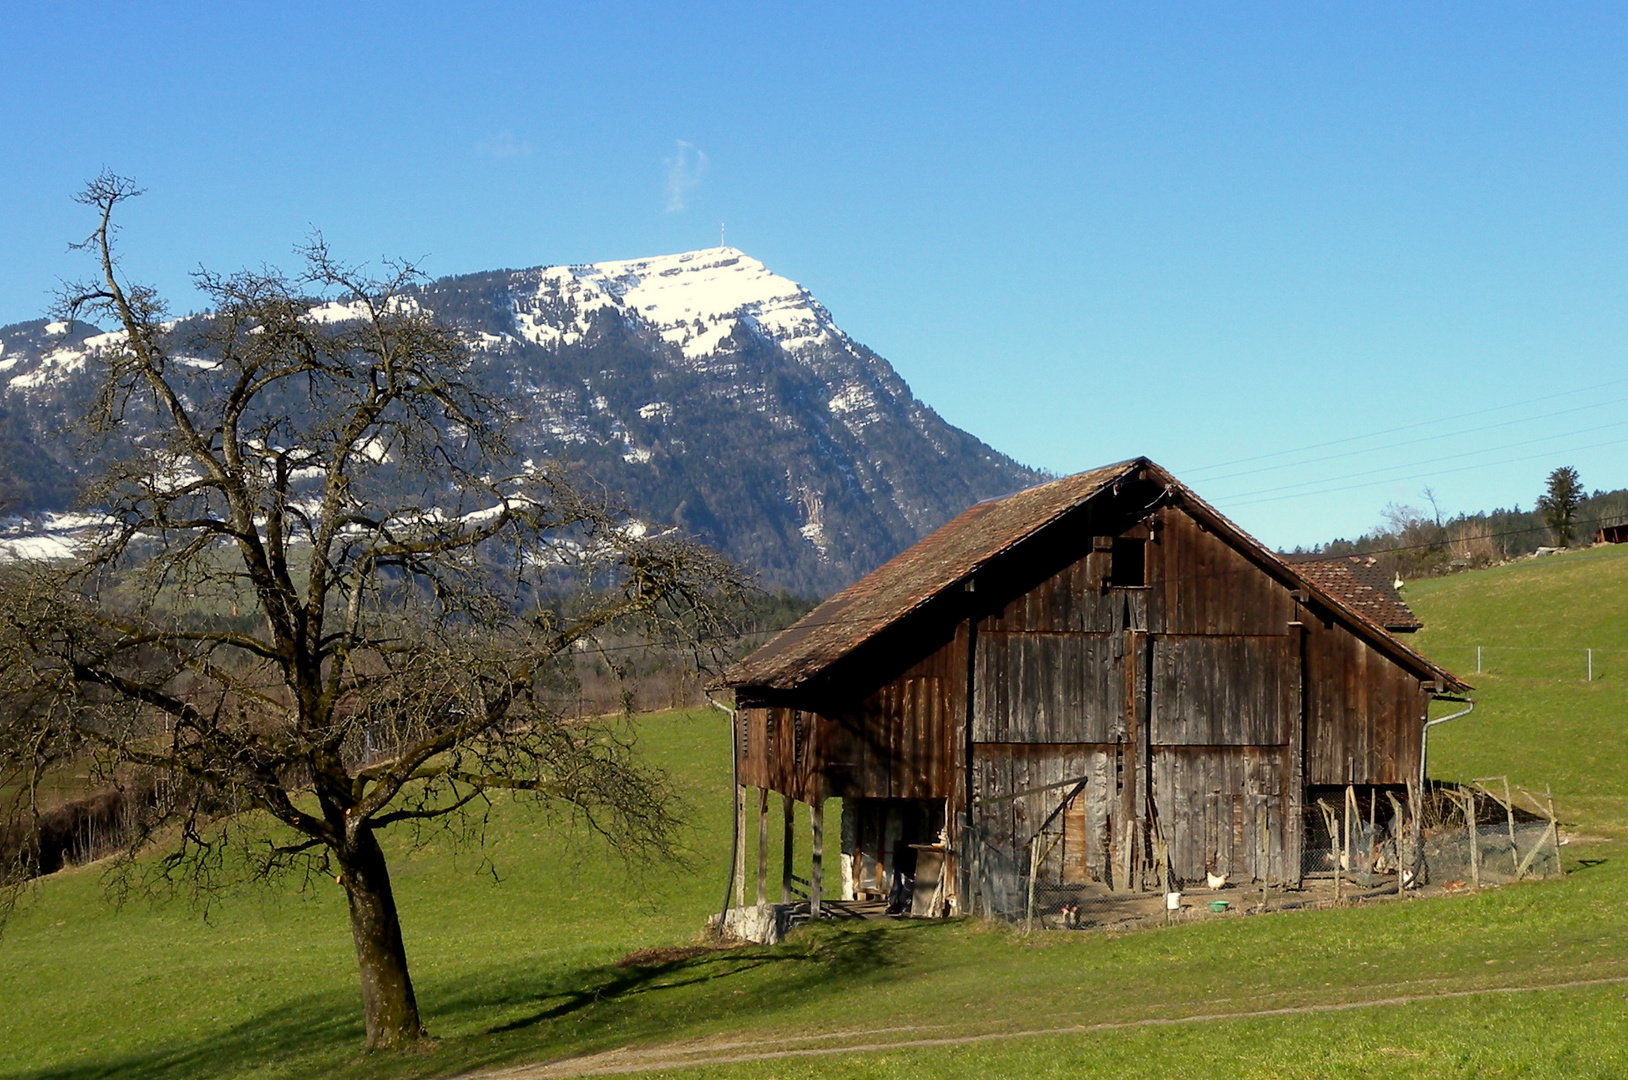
1404	427
1415	442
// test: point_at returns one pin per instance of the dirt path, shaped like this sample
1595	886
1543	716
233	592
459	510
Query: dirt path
718	1052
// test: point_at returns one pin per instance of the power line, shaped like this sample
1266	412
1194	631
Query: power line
1415	442
1417	476
1404	427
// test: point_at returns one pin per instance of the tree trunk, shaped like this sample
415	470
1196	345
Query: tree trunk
387	989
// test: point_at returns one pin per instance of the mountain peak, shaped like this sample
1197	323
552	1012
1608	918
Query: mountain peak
694	299
707	391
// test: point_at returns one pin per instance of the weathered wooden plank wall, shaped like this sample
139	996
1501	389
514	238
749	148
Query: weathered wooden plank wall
1223	691
1365	712
1213	690
1222	809
1087	823
1047	688
1203	585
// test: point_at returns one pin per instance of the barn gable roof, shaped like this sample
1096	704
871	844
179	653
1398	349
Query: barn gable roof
984	532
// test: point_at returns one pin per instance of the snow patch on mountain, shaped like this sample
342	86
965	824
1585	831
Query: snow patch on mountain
694	300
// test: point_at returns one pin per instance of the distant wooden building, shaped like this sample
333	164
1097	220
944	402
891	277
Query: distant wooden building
1105	656
1612	534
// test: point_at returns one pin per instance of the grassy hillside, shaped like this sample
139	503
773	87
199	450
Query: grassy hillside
1536	717
522	969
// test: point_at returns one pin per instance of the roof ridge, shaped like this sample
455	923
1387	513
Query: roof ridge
958	549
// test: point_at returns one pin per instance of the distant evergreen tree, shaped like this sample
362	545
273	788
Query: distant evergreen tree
1559	503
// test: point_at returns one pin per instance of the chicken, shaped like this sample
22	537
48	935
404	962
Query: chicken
1215	880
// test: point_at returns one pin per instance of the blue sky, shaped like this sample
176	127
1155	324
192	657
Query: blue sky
1202	233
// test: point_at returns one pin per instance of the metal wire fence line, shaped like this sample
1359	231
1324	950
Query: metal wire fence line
1588	663
1358	843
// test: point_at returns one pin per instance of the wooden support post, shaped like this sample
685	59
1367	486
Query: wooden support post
1509	814
1353	821
1475	844
816	815
1129	766
1144	753
1262	844
1554	828
762	846
1415	829
1294	827
1551	831
1333	843
785	849
740	846
1396	838
1034	870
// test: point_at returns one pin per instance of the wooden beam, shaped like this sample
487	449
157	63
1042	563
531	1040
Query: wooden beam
1475	840
762	846
816	814
1128	766
1294	827
785	848
740	845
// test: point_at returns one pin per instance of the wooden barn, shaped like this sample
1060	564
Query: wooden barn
1105	659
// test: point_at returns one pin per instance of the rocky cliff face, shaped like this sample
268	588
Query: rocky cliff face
712	393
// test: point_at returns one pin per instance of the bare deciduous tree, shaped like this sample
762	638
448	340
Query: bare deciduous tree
327	601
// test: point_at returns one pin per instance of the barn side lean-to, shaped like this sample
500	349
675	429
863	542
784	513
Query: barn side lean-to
1104	659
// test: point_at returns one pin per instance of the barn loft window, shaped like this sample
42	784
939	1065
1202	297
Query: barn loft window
1129	565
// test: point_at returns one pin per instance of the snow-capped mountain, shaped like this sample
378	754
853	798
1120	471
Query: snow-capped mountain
714	393
694	301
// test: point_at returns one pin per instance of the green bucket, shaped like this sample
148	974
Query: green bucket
1218	906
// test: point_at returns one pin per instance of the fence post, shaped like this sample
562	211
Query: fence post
1509	812
1590	664
1475	842
1396	839
1478	659
1416	796
1334	849
1554	828
1034	868
1349	864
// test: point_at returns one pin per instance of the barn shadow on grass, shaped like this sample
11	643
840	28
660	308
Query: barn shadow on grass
516	1012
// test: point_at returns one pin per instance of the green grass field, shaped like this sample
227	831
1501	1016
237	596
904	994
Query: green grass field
1536	717
522	969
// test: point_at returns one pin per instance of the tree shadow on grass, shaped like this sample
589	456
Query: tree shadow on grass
318	1030
519	1012
597	1009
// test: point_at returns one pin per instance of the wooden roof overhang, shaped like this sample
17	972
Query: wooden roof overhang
925	584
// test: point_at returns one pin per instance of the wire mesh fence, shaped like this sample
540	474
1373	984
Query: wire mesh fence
1356	841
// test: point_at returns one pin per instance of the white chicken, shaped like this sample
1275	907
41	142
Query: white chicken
1214	880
